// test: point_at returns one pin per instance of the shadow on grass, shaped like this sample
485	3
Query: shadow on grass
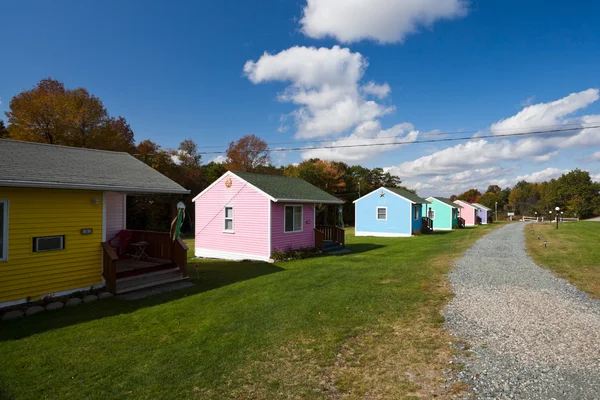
210	275
357	248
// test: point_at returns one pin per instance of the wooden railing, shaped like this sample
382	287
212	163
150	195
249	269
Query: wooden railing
333	233
426	225
109	267
319	239
159	243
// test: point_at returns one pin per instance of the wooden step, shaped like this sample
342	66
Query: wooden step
130	284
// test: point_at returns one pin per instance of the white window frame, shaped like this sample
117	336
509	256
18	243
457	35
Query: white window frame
415	212
377	213
4	231
293	217
232	218
37	238
431	214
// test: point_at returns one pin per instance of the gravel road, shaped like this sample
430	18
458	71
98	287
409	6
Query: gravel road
529	334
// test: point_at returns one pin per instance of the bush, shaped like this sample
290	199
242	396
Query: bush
295	254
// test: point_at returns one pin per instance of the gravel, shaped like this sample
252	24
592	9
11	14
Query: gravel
528	334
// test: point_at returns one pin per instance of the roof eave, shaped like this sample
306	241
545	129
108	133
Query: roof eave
310	201
107	188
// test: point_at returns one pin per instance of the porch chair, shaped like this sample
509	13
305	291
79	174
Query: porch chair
121	241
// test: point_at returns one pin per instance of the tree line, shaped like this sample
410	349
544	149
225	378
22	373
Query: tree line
575	193
53	114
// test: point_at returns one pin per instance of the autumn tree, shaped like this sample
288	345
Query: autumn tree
470	196
3	131
50	113
248	154
40	114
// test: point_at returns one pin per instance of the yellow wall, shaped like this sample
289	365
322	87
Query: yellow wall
49	212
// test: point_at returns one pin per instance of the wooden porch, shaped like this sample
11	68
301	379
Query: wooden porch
329	238
148	259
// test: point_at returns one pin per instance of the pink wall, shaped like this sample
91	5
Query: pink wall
295	240
467	212
251	229
115	213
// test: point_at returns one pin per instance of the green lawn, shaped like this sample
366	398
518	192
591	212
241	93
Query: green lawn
366	324
573	252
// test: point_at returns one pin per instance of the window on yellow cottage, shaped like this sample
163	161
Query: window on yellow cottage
48	243
3	229
228	219
293	219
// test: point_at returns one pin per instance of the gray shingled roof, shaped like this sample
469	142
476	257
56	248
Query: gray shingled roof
447	202
408	195
25	164
482	207
283	188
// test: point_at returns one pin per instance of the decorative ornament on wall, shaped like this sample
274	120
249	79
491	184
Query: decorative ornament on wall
228	182
382	194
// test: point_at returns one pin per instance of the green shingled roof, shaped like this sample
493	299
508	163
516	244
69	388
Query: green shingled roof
447	201
283	188
408	195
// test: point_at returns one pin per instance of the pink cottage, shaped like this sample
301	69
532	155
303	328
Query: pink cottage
245	216
468	212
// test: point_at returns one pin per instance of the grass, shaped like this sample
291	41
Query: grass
367	324
572	253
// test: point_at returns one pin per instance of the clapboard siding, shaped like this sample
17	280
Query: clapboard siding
251	227
292	240
49	212
115	213
467	212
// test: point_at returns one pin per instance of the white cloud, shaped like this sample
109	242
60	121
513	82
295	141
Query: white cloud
385	21
218	160
542	115
541	176
366	133
326	85
379	91
594	157
480	178
545	157
480	153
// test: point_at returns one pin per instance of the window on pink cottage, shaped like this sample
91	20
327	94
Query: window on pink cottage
228	219
293	219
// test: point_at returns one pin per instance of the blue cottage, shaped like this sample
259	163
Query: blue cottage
391	212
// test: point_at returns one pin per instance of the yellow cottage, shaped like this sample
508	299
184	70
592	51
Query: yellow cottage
60	207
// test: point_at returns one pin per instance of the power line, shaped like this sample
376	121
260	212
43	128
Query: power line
414	142
431	133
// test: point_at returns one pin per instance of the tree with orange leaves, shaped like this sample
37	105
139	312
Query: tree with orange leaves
248	154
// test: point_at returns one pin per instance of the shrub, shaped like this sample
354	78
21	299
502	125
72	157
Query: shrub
296	254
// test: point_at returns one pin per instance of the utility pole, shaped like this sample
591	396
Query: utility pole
496	212
359	189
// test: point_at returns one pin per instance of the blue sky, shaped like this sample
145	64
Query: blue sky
176	70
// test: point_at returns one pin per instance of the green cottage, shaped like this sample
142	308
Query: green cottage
442	212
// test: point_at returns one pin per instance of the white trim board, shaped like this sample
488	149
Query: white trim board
229	173
381	234
387	190
441	202
5	230
228	255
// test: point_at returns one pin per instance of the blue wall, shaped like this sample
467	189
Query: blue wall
399	214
